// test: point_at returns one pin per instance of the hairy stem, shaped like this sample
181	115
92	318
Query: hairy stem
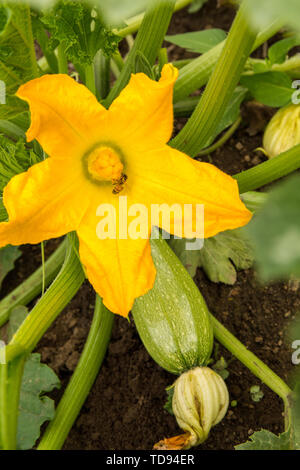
196	73
90	78
269	171
62	60
155	24
102	74
81	381
212	105
10	384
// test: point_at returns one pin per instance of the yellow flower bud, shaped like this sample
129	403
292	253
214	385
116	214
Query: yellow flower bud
283	131
200	401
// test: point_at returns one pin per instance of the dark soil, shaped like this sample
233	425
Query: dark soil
125	407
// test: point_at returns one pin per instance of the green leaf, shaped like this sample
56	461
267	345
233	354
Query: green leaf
196	5
15	158
17	55
198	41
3	212
8	256
220	256
266	440
113	11
12	108
270	88
190	259
34	407
278	52
225	253
80	31
275	232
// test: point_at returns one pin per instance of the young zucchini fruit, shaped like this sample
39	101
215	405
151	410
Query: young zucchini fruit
173	322
172	319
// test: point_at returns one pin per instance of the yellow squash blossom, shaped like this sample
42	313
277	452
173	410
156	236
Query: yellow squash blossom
96	155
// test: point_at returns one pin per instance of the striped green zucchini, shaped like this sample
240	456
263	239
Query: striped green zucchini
172	319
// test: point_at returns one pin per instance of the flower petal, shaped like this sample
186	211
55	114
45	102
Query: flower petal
119	269
144	109
168	176
45	202
65	115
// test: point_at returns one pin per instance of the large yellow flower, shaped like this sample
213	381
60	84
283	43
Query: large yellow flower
95	153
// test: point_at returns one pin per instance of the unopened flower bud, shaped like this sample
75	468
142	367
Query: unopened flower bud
200	401
283	131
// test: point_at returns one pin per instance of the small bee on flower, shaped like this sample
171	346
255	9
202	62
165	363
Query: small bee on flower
118	184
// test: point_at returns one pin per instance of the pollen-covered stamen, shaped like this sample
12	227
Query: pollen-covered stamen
104	164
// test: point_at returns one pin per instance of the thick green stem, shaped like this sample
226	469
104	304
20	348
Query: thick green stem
206	117
135	22
185	107
253	363
117	58
59	294
197	72
162	57
62	60
10	384
32	286
130	41
102	74
154	26
90	78
116	64
49	56
269	171
81	381
43	268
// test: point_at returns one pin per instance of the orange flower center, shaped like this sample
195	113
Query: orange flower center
104	164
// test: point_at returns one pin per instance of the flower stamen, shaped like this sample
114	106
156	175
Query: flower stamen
104	164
